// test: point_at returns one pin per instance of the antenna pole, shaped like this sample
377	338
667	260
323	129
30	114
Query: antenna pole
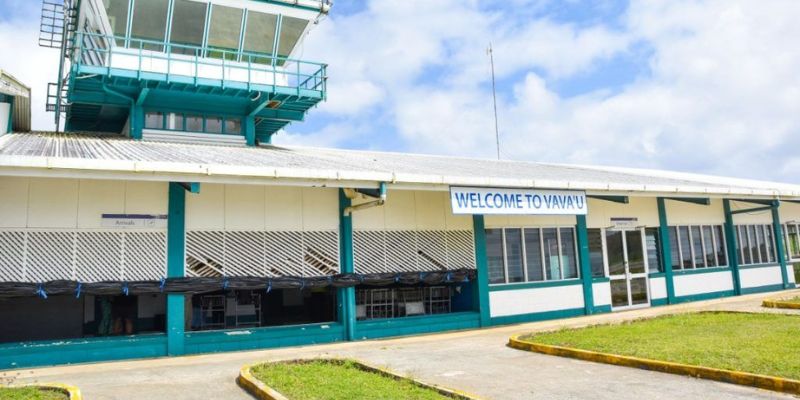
494	99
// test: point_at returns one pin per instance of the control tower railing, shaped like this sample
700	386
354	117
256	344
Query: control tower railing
96	54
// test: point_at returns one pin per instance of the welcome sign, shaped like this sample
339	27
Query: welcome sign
471	200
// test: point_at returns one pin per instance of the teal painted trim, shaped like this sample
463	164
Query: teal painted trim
346	296
780	246
262	338
582	237
753	266
750	210
704	296
249	125
730	241
136	121
666	249
601	309
482	264
701	271
658	302
70	351
380	328
289	5
277	38
613	199
703	201
657	274
540	316
601	279
762	289
534	285
176	260
10	114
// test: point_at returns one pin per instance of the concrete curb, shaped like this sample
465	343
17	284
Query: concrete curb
773	383
780	304
263	392
71	391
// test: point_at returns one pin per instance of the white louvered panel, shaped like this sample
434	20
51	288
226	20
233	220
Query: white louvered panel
401	251
432	254
50	255
321	252
204	253
144	255
284	253
12	256
369	252
460	250
98	256
244	254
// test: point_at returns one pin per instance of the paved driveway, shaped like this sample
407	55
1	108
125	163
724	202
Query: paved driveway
474	361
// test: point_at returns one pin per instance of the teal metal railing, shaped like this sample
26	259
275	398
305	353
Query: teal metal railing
202	64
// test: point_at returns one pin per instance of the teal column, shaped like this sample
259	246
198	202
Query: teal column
586	265
666	249
780	246
249	125
346	298
137	121
482	264
733	252
10	115
176	250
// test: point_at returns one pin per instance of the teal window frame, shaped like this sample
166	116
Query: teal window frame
748	240
224	118
562	267
679	250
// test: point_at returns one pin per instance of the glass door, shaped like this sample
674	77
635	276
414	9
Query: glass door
626	268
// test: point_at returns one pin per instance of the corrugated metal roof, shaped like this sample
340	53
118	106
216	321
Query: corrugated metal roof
88	156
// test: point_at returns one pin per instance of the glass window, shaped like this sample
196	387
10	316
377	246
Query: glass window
117	12
697	246
568	261
596	252
175	122
551	259
514	255
719	245
768	244
755	243
149	23
259	36
686	247
188	23
154	120
194	123
533	254
223	32
653	250
708	246
291	29
233	125
744	249
794	241
616	253
214	125
675	249
494	254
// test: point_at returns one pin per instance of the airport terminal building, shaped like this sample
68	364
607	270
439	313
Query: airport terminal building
162	221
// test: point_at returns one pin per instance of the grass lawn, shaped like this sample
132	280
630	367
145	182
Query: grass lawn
30	393
766	344
324	380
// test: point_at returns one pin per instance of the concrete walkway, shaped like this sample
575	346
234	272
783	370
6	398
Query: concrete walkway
476	361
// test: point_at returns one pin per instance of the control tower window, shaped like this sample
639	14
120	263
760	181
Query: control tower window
149	23
226	24
291	30
117	11
259	35
188	22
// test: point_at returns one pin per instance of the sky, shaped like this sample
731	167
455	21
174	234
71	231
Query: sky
697	86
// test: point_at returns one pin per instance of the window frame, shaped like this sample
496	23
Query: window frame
561	264
715	242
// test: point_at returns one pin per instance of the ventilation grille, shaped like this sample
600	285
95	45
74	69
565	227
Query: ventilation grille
259	253
85	256
404	251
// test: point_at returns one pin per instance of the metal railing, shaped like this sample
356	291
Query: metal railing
199	63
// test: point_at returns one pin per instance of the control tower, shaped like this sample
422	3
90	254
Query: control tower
208	71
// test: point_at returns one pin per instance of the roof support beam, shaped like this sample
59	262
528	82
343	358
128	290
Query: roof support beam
142	96
749	210
613	199
703	201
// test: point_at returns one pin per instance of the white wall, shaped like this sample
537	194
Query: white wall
524	301
262	208
763	276
601	211
692	284
759	217
5	114
601	293
658	288
682	213
49	203
410	210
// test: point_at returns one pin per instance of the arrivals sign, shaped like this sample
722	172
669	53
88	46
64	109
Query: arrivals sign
140	221
472	200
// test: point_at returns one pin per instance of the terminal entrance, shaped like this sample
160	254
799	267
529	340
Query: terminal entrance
627	269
